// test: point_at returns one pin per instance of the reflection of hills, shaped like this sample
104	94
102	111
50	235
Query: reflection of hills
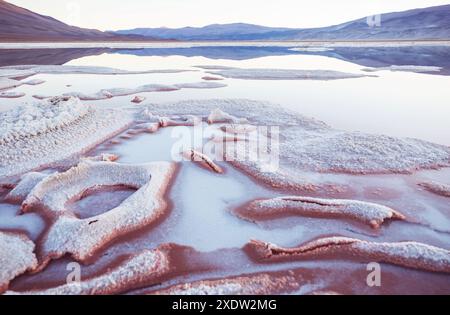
13	57
213	52
381	57
366	56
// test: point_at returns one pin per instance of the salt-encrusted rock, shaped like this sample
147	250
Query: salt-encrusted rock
368	213
284	74
406	254
137	270
138	99
83	237
16	257
51	131
437	188
258	284
219	116
203	159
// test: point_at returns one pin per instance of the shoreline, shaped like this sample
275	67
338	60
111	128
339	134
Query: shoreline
191	44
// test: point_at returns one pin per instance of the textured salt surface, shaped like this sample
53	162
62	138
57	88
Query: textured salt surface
282	74
307	144
259	284
136	270
407	254
114	92
36	135
16	257
437	188
405	69
83	237
365	212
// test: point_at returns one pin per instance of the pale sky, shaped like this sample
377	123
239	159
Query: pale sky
119	14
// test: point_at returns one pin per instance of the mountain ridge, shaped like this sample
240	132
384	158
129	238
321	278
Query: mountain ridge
405	25
21	24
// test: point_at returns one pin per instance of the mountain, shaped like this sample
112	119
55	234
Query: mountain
19	24
235	31
424	24
417	24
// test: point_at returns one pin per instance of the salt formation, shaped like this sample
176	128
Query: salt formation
83	237
405	69
284	74
406	254
211	78
137	270
365	212
34	82
258	284
6	83
149	88
16	257
51	131
11	94
27	182
238	128
204	160
219	116
138	99
307	144
27	70
437	188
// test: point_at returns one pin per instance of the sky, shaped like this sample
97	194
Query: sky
119	14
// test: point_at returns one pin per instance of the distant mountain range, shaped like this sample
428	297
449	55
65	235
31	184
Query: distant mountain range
19	24
417	24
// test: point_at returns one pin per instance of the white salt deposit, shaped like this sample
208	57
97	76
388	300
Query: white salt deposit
365	212
140	269
36	135
16	257
284	74
83	237
405	69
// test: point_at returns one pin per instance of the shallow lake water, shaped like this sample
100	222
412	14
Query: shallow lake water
402	104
